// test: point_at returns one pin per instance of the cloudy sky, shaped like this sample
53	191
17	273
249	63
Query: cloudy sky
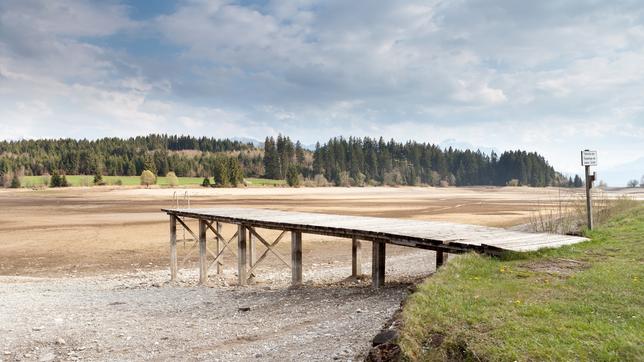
549	76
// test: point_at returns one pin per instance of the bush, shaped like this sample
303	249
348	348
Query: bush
173	181
320	181
360	180
64	182
15	182
98	179
392	178
293	176
443	183
55	180
148	178
118	182
514	182
206	182
344	180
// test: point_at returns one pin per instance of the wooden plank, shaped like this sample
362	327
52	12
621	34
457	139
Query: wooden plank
378	264
241	254
356	258
173	248
296	257
203	256
432	235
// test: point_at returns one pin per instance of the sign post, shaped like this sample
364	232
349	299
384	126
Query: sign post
589	158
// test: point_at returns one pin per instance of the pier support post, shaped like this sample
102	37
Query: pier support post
218	246
241	255
251	250
378	264
356	258
440	259
203	256
173	248
296	257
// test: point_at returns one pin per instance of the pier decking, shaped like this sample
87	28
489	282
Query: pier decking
441	237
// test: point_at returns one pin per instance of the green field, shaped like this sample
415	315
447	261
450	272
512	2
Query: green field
83	180
580	302
264	182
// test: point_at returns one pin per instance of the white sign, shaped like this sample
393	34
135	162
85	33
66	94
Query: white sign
588	158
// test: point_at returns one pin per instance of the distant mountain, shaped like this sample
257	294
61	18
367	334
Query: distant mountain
466	146
618	176
255	142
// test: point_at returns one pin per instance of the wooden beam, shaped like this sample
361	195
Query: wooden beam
378	264
356	258
241	254
218	242
269	247
173	248
203	256
251	250
296	257
440	259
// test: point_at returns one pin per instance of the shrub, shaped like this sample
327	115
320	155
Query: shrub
118	182
173	181
343	179
15	182
98	179
320	181
206	182
514	182
64	182
293	176
443	183
392	178
55	180
148	178
360	180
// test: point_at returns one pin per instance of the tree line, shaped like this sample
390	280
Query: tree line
339	161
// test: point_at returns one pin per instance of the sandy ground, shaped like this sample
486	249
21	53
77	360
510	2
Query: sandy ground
83	273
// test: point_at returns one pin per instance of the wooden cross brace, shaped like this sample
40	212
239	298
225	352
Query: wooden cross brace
269	248
223	240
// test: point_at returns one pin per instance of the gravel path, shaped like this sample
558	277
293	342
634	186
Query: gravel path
140	316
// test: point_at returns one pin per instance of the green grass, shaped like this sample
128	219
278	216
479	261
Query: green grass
83	180
264	182
580	302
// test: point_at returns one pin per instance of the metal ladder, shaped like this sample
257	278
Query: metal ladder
177	202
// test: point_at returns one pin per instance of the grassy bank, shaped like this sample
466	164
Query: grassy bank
581	302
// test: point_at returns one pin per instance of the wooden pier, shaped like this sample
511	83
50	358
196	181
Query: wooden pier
441	237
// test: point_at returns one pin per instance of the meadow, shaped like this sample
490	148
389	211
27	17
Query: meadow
85	180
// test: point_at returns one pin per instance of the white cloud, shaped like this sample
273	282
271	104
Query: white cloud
547	76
